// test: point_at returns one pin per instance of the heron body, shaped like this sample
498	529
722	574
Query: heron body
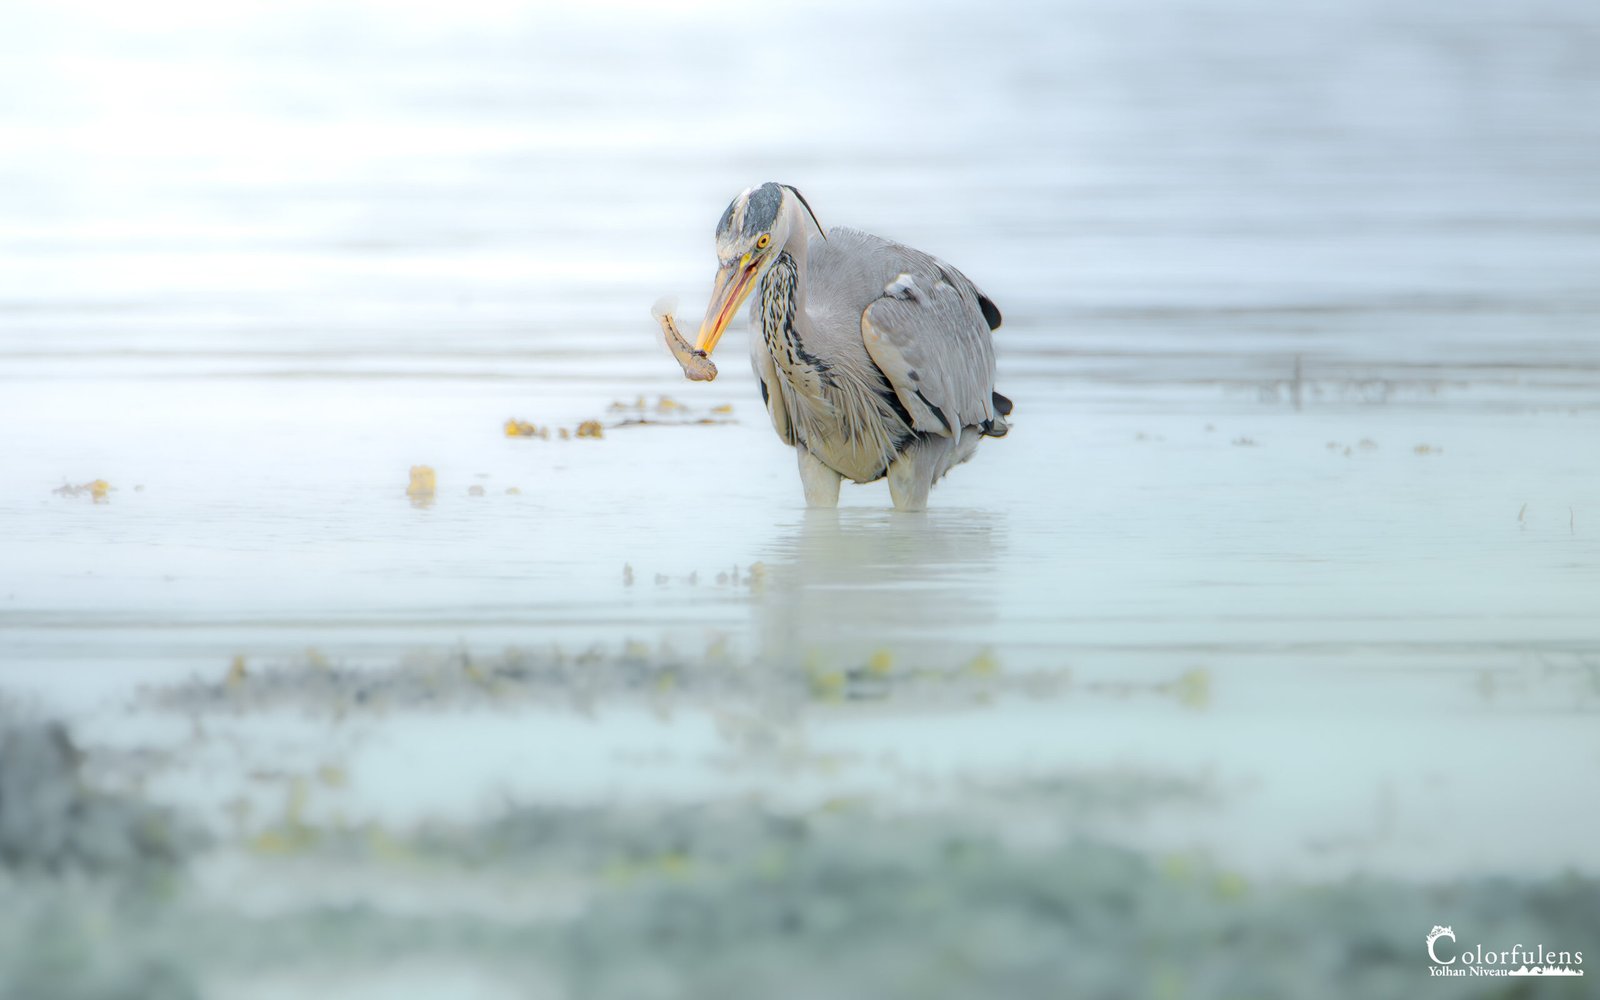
875	360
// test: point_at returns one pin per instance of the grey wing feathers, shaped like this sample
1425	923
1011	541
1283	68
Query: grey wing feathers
926	327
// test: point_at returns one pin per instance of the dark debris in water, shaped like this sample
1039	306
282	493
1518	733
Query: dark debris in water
464	678
97	490
733	900
52	820
664	411
662	678
999	893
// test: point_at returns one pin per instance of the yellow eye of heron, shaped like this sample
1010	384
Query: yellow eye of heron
761	244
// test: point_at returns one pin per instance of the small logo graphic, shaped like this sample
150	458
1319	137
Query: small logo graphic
1434	935
1518	960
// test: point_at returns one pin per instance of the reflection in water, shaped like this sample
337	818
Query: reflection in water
845	585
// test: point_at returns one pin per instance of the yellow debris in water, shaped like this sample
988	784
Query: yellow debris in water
1193	688
828	685
591	429
293	835
236	673
881	662
666	404
271	842
423	483
1231	885
1170	984
295	810
1177	867
99	490
984	664
839	805
724	408
521	428
385	847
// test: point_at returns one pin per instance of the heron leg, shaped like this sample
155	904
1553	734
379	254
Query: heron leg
911	476
820	482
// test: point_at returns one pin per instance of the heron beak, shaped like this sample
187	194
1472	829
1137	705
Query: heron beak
734	284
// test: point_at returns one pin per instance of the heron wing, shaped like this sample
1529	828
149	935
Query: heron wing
925	325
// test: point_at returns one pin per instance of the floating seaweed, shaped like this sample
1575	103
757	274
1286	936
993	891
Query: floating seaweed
641	412
97	490
521	428
422	486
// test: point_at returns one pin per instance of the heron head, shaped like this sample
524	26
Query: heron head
757	227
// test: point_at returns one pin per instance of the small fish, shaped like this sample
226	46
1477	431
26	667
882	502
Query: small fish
696	364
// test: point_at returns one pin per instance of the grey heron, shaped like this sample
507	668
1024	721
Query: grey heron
875	360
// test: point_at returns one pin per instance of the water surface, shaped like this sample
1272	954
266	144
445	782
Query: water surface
1298	514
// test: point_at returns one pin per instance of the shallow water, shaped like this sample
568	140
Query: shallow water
1299	508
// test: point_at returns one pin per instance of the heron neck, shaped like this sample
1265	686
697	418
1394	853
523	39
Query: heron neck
795	251
785	325
783	297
